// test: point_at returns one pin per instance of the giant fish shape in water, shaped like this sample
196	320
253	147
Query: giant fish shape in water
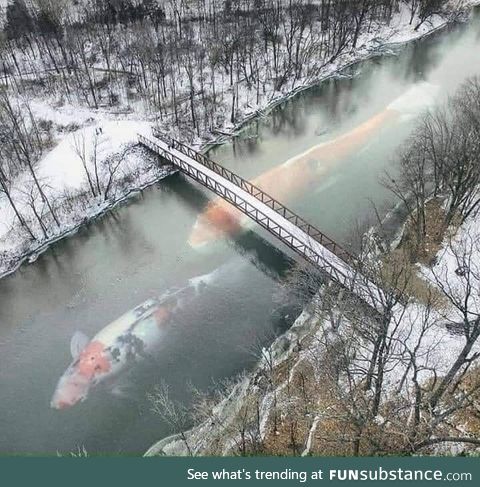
118	344
288	180
123	342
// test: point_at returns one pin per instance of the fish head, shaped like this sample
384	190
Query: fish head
84	372
71	389
219	220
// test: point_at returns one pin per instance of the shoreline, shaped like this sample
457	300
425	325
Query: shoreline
280	351
32	254
225	134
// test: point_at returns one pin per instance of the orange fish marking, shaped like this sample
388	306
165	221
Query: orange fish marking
161	315
92	360
284	182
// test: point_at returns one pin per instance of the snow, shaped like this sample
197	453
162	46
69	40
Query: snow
437	345
63	115
63	177
63	168
438	348
311	436
458	252
380	38
427	327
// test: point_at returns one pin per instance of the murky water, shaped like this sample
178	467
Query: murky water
140	250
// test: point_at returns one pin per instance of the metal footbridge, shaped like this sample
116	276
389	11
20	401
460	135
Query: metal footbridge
292	230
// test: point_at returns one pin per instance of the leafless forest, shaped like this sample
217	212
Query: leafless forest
187	59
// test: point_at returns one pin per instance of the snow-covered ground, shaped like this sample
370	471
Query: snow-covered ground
436	331
457	269
379	38
61	169
64	178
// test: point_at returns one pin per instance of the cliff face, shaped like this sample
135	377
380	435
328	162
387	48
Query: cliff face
244	419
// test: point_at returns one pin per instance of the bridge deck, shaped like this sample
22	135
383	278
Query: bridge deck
293	231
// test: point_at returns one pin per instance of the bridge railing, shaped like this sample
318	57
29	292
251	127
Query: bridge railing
359	277
258	193
353	280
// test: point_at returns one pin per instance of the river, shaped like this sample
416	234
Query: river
140	250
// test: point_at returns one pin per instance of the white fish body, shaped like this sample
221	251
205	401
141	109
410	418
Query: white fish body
123	341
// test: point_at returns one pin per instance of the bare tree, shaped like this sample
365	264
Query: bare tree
80	149
5	188
111	165
427	9
413	186
173	413
31	198
462	293
441	160
23	144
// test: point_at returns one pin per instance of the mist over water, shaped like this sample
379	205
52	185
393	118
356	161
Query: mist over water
140	251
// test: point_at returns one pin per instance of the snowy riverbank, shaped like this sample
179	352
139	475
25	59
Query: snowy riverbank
62	173
245	411
385	40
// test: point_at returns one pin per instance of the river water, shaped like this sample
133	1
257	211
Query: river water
140	250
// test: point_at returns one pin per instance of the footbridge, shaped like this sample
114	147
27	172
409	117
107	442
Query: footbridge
292	230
